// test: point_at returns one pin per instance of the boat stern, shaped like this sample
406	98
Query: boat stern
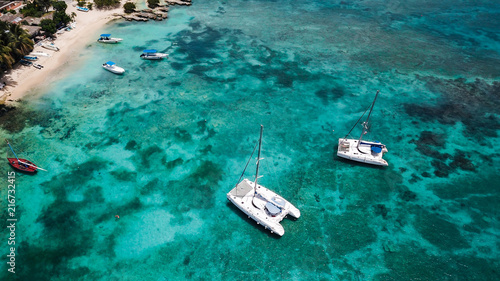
294	212
277	229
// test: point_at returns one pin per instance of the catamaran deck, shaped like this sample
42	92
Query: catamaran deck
265	207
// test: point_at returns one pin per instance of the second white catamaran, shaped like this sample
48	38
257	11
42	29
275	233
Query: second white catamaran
369	152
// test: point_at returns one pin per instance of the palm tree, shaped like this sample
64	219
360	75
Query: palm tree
44	4
19	41
6	59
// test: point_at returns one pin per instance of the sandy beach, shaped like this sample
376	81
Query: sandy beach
24	80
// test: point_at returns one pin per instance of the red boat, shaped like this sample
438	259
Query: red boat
21	164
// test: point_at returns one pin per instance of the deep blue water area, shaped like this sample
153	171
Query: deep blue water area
161	145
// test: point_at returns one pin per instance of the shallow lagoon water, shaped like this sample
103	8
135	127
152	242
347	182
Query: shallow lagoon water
161	146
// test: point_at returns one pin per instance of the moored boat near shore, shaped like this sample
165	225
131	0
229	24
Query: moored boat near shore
105	38
25	62
39	54
112	67
30	58
153	55
82	9
50	46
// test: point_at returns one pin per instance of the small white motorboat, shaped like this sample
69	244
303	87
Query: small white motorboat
36	65
153	55
39	54
111	66
106	38
50	46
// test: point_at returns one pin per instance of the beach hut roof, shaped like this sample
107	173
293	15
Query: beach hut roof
150	51
32	30
110	63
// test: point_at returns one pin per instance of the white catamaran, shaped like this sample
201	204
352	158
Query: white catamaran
259	203
370	152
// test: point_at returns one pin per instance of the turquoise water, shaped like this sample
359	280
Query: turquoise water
161	146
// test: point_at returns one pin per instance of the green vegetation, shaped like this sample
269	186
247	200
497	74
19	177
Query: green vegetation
14	44
48	26
32	10
60	17
36	8
129	7
106	3
153	3
43	4
60	6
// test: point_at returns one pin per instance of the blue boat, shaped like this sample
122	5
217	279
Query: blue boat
112	67
83	9
106	38
25	62
30	58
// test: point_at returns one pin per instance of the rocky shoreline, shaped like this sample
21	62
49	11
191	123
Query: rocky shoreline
159	13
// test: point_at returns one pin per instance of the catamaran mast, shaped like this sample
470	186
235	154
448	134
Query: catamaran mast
365	124
258	158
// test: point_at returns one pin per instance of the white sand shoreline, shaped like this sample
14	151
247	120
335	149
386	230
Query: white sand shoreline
27	80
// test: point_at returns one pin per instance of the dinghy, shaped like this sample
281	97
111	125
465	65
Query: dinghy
50	46
30	58
25	62
39	54
82	9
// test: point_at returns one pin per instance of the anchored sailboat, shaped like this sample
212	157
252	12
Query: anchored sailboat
259	203
369	152
22	164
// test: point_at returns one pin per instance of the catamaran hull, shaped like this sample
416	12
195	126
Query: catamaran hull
244	202
348	149
31	168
